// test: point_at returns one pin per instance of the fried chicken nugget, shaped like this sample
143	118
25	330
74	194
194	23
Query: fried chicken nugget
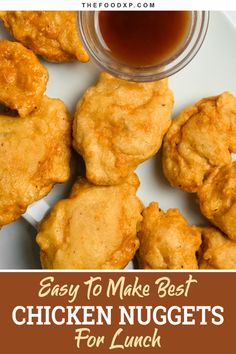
51	34
34	155
217	198
200	138
119	124
23	78
217	251
167	241
94	229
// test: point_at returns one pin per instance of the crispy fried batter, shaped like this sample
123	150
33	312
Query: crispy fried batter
200	138
119	124
217	198
51	34
94	229
218	252
23	78
34	155
167	241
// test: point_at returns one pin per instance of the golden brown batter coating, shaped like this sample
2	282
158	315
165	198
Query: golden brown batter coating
119	124
218	252
94	229
34	155
217	198
200	138
167	241
23	78
51	34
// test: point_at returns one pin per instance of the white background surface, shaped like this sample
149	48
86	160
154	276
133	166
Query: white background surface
212	71
232	16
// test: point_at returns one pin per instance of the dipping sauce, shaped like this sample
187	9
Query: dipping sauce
143	38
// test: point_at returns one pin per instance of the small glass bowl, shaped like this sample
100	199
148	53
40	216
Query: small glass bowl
96	48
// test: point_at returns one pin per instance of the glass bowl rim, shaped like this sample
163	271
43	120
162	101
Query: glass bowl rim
153	72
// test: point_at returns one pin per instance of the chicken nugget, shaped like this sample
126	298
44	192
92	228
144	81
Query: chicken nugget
51	34
200	138
119	124
94	229
217	198
23	78
167	241
34	155
217	251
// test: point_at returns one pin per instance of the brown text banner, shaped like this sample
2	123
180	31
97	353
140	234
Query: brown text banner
117	312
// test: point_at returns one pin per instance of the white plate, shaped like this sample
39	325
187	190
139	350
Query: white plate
212	71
